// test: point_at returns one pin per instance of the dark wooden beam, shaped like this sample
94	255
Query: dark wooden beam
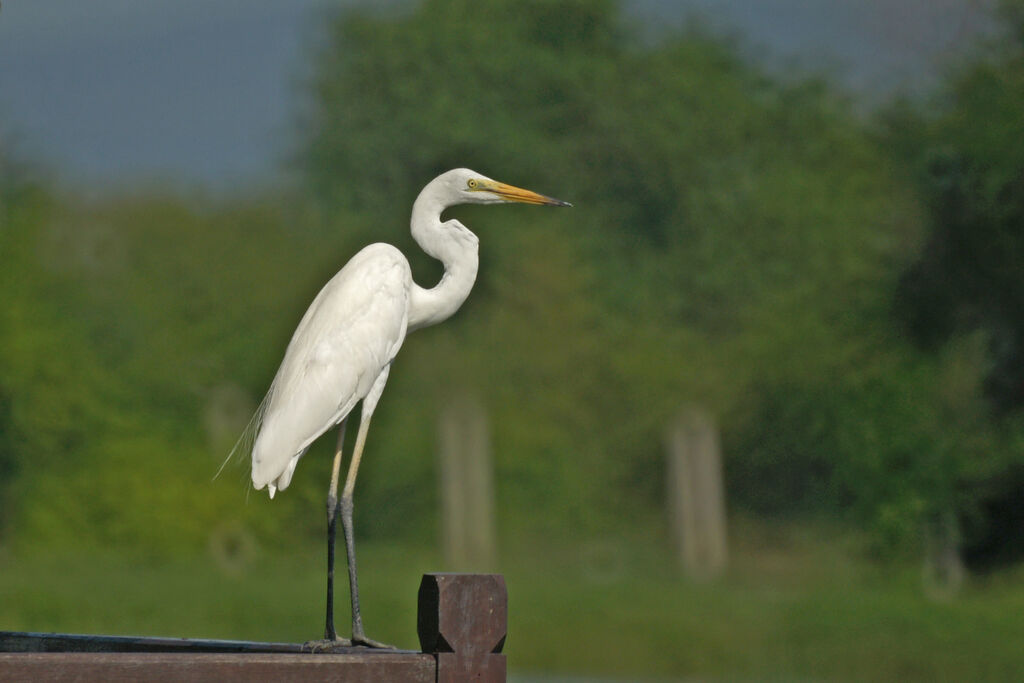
216	667
14	641
461	624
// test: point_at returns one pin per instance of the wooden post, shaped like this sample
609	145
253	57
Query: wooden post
464	653
696	494
461	623
467	486
944	571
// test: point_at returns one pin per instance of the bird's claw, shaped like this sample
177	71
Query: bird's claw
330	645
366	642
326	644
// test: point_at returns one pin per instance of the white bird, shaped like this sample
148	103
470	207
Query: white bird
342	350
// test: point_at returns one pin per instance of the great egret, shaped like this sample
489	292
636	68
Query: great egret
342	350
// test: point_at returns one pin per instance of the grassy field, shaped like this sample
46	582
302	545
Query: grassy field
796	605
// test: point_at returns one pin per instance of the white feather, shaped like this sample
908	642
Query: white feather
351	332
343	347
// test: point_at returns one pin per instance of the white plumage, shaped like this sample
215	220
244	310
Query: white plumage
345	341
342	350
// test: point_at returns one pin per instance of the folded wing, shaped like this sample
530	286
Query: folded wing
348	336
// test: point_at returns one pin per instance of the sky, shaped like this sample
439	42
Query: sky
114	93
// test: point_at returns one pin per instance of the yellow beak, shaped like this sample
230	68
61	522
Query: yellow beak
518	194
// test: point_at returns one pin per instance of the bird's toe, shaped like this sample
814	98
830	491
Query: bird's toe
326	644
367	642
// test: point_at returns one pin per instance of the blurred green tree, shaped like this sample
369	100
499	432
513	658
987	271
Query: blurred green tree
736	243
967	156
730	232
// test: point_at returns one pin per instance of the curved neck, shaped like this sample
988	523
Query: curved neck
452	244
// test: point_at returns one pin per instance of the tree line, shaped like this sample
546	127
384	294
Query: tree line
840	291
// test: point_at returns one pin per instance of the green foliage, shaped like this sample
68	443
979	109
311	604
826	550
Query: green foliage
890	445
964	290
122	335
735	243
729	233
968	157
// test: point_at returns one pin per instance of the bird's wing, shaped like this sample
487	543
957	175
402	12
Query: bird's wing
349	334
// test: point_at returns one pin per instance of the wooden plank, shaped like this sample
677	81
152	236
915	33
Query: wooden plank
17	641
365	667
462	624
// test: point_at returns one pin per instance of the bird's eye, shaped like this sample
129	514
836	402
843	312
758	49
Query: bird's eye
472	183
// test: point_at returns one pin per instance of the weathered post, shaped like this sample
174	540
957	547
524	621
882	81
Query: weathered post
467	485
465	651
696	494
944	571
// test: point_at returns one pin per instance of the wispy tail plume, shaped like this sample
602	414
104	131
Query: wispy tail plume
245	442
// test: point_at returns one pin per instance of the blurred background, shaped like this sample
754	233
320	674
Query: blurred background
752	410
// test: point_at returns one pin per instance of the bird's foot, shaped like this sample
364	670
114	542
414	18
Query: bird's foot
366	642
326	644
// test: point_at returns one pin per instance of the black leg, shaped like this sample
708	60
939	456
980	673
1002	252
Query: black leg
358	636
331	638
353	579
332	525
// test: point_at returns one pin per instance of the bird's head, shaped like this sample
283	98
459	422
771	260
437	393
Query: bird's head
469	187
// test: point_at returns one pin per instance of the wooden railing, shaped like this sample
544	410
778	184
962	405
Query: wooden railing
461	624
